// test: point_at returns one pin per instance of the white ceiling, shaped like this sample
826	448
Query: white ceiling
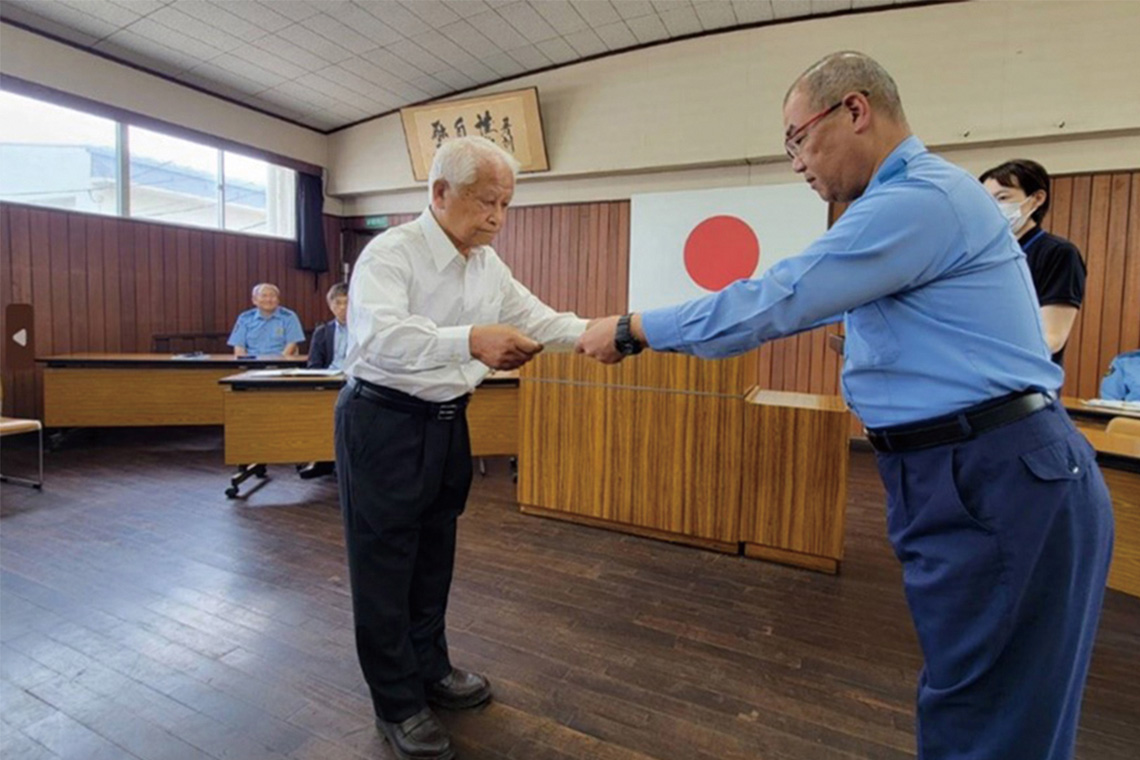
328	63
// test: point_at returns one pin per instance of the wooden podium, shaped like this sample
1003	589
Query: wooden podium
676	448
795	478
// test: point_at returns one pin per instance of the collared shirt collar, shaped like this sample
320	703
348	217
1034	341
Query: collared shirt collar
896	160
443	251
257	313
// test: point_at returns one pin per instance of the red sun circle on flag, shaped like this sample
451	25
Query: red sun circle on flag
721	250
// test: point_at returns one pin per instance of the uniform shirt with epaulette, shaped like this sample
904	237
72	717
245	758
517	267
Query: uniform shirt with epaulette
266	336
1122	383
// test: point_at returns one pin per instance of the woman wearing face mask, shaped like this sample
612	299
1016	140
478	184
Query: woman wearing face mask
1021	188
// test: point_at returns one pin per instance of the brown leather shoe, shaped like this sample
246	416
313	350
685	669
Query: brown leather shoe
420	737
458	690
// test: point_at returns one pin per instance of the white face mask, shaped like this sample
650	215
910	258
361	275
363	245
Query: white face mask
1011	210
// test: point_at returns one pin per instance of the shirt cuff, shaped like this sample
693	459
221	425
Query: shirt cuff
662	329
455	344
579	327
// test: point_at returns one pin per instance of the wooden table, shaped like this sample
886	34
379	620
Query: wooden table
137	390
289	420
1119	460
1092	416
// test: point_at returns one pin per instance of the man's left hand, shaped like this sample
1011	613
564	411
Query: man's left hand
598	341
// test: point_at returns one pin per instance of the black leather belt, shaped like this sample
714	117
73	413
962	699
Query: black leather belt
403	402
961	426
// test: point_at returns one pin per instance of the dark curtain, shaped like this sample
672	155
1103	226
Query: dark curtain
312	255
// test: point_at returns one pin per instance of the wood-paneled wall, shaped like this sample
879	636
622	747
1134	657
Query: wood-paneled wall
108	284
1100	213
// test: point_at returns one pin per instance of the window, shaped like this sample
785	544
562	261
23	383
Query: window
172	180
259	197
56	156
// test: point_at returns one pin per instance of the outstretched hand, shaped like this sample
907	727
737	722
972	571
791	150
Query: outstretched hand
502	346
598	341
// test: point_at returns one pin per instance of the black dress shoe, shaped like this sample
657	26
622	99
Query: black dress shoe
458	690
315	470
420	737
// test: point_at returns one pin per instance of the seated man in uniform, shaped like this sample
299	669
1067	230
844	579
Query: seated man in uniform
327	352
269	329
1122	383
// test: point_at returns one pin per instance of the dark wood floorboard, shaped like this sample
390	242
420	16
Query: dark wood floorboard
145	616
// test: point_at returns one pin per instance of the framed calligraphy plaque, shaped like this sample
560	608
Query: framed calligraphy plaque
509	119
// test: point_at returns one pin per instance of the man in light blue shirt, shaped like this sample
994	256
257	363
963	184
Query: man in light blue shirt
268	329
996	507
1122	383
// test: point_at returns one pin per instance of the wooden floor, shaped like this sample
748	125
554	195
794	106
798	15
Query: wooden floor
144	615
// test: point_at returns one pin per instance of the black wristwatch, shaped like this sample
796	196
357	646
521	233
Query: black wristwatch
624	342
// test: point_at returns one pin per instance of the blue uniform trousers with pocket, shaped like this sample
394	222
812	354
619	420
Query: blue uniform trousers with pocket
1005	542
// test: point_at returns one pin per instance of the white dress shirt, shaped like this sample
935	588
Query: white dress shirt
413	300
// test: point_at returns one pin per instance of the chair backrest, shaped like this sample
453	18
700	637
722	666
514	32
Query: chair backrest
1124	426
179	343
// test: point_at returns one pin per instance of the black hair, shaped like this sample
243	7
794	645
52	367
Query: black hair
1025	174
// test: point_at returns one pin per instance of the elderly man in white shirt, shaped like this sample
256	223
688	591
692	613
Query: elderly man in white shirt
432	310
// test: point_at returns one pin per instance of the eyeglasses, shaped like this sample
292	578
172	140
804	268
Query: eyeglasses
795	140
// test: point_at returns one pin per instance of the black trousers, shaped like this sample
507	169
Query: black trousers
404	480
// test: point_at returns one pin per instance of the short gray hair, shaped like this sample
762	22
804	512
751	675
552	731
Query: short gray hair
458	160
828	80
261	286
337	290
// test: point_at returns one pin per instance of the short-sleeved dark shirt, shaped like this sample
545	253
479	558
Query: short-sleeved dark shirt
1058	272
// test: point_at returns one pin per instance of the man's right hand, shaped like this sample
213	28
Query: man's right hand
502	346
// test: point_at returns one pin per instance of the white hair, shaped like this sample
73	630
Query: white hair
261	286
458	160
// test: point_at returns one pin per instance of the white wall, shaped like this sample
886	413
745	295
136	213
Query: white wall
1054	80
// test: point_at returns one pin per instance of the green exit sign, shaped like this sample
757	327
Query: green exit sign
375	222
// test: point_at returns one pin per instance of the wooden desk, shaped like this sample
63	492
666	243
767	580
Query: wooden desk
137	390
1119	459
288	420
1094	417
796	454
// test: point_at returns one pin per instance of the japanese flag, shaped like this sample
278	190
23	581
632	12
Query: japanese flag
688	244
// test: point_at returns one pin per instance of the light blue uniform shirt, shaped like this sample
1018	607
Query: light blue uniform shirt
340	346
1122	382
939	308
266	336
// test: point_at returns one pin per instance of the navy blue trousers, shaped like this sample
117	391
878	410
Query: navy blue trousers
1005	542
